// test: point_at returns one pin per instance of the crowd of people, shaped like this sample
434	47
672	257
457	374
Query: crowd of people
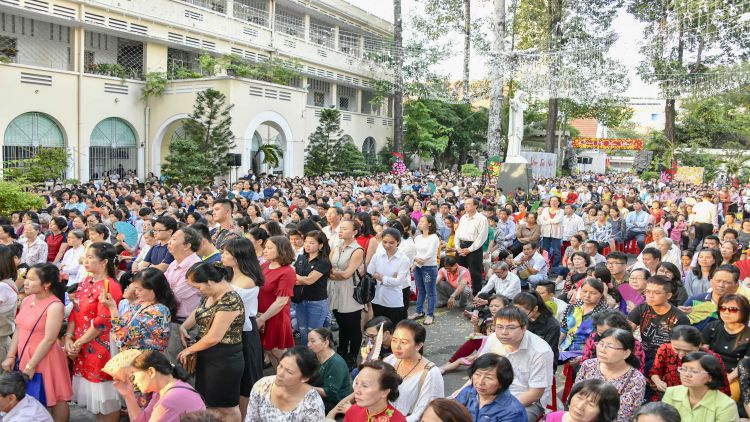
590	298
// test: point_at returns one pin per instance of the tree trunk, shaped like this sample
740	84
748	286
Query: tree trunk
398	95
467	48
550	139
495	126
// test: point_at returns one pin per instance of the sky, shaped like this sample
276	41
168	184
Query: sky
625	50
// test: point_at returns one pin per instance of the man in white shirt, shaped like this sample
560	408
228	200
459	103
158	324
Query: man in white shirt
531	358
16	405
471	234
705	219
572	223
531	266
502	281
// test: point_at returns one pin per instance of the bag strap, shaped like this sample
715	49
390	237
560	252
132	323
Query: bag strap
23	350
422	378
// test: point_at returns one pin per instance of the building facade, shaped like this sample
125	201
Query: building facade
72	73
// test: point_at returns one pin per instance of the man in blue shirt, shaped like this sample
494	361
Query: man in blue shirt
636	224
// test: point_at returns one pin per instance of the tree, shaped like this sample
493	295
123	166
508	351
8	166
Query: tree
272	154
201	154
715	122
13	198
325	144
350	160
495	122
45	164
423	135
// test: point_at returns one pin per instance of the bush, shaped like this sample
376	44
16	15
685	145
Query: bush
470	170
647	176
13	198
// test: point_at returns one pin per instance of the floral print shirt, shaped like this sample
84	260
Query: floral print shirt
631	387
359	414
260	408
143	328
666	365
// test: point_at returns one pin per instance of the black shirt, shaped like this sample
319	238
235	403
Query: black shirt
318	290
731	347
548	328
655	328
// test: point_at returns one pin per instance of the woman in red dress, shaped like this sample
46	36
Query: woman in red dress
35	340
274	318
87	336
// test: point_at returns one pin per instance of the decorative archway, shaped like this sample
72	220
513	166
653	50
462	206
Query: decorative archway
113	149
162	138
27	133
268	127
369	149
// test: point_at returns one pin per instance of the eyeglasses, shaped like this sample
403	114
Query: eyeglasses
690	372
507	328
607	346
161	230
730	309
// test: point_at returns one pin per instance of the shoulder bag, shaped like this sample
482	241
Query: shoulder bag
35	386
364	285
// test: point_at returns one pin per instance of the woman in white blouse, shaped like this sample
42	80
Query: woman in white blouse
422	380
390	268
426	244
34	246
70	265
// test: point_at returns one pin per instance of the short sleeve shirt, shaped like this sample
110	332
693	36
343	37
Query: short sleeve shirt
230	302
655	328
159	254
318	290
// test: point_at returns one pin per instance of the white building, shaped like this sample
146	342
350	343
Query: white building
56	91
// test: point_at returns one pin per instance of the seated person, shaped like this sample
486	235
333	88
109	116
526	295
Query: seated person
546	290
16	405
531	267
488	397
701	309
451	284
502	282
372	327
603	321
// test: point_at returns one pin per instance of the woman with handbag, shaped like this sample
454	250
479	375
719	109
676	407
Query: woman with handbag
390	268
346	258
216	357
274	313
87	337
34	348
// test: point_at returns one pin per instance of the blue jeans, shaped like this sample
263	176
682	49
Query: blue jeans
311	315
424	278
552	246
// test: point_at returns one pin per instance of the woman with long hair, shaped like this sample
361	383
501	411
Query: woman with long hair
88	334
145	325
219	361
274	308
34	345
334	383
259	237
697	280
310	292
246	277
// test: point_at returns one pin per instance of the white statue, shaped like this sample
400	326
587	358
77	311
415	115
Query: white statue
515	128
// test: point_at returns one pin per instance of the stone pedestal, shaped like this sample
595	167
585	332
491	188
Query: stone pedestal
514	175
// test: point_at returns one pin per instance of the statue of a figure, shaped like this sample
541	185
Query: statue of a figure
515	128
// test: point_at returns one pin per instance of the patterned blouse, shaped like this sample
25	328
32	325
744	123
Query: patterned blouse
143	328
601	233
631	387
578	326
666	365
260	408
589	352
230	302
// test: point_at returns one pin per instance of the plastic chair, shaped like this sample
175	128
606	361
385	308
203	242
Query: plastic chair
632	247
569	381
744	267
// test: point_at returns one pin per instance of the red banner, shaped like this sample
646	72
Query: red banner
608	143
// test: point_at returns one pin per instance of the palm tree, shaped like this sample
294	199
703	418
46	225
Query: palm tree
735	162
272	154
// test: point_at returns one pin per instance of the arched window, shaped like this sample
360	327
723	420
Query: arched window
27	133
113	149
368	149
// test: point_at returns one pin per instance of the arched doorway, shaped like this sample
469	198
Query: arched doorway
27	134
113	149
159	148
267	133
368	149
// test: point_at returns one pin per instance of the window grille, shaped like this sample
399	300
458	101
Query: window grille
254	11
349	43
321	33
219	6
290	22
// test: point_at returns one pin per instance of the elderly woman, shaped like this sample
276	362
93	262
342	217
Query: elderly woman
375	388
488	394
16	405
34	246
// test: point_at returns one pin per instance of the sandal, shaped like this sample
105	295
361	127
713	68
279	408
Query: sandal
428	320
415	316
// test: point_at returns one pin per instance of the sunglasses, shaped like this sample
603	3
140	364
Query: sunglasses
730	309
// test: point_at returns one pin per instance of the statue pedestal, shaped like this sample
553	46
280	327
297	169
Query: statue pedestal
514	175
516	159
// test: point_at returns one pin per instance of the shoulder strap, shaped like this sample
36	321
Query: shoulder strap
174	387
23	350
422	377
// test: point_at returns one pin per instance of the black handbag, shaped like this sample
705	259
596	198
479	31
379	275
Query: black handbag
364	286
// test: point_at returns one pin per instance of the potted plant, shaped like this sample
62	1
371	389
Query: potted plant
10	52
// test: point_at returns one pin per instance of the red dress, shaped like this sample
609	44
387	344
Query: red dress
359	414
87	312
54	365
277	333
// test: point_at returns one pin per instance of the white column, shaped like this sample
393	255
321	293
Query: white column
307	27
336	38
230	8
334	95
358	109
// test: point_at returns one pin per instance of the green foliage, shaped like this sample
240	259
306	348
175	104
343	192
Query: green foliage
625	131
272	154
423	134
14	198
209	64
648	176
470	170
5	59
179	72
715	122
156	83
201	155
45	164
275	71
349	160
611	112
663	149
325	144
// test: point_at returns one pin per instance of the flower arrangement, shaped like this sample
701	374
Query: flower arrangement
397	164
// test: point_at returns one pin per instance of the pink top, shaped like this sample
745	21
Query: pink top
555	416
187	297
181	398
